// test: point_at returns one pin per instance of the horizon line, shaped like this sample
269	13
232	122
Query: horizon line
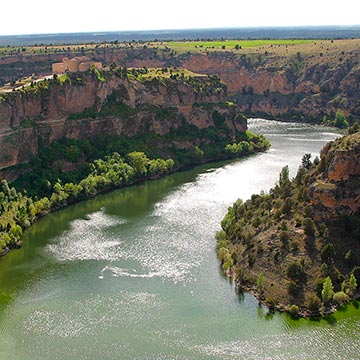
250	27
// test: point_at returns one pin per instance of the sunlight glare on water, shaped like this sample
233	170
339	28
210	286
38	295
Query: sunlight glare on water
133	274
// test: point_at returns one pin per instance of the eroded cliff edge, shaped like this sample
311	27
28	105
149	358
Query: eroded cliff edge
121	102
297	248
301	82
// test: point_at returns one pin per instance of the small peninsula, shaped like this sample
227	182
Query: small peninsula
297	247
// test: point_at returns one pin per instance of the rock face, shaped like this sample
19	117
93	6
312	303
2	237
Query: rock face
338	193
86	106
298	88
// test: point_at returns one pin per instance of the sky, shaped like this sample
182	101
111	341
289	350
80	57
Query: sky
43	16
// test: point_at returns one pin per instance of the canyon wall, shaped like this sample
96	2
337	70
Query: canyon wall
86	106
337	192
263	84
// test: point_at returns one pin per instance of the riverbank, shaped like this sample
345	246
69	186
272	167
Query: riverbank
134	272
106	175
296	248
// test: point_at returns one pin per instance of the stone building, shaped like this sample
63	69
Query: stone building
79	63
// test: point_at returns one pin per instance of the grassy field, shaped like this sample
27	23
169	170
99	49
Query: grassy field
181	46
269	52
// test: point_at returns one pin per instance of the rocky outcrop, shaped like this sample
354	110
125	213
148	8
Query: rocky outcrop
281	246
338	193
263	83
89	104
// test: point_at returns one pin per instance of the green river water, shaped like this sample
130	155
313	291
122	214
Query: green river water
133	274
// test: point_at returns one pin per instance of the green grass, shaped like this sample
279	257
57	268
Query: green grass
230	44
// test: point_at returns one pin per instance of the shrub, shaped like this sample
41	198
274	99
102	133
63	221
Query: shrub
324	269
313	303
295	271
261	282
284	226
340	297
251	259
293	289
294	245
328	253
284	237
309	226
294	310
340	120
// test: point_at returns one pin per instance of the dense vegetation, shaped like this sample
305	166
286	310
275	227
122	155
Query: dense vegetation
18	210
202	145
45	185
277	246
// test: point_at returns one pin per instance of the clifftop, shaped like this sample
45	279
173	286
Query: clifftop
302	80
282	246
114	102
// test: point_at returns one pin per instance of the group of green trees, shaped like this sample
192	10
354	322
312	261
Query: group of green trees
269	230
18	211
47	188
252	144
340	120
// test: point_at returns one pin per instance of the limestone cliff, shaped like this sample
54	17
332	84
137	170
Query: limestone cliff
304	85
84	105
336	193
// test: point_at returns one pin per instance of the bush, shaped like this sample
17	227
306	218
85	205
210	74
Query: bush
293	289
328	253
340	120
284	237
294	245
340	297
294	310
352	283
295	271
309	226
313	303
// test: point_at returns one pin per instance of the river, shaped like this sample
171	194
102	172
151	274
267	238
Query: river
133	274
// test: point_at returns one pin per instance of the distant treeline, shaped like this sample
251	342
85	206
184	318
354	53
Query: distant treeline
298	32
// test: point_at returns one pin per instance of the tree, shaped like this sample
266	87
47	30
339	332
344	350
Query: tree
284	182
309	226
138	161
340	119
295	271
328	253
354	128
6	188
305	161
261	282
313	303
352	283
327	292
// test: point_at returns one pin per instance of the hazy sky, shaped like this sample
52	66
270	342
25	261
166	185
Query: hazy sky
41	16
